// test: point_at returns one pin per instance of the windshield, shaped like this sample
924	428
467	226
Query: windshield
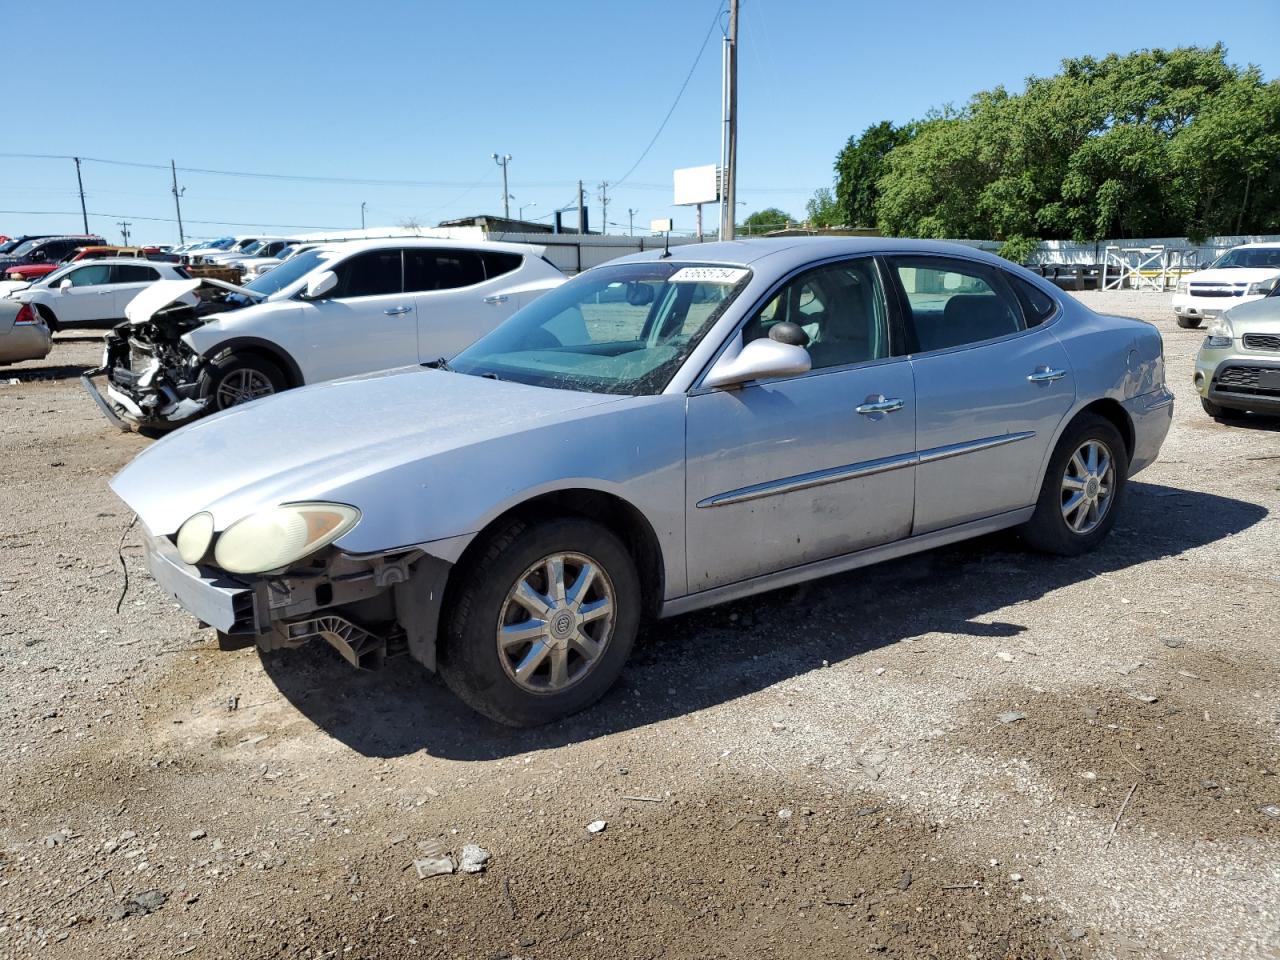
221	244
254	247
1248	257
22	249
52	279
280	277
624	329
9	245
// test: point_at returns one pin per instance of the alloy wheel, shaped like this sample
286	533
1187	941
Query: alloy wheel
243	385
556	622
1088	485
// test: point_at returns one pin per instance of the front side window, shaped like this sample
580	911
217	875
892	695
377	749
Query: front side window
91	276
622	329
441	269
370	274
841	309
951	303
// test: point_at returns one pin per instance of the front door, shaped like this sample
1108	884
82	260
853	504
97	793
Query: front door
90	296
366	323
785	472
991	389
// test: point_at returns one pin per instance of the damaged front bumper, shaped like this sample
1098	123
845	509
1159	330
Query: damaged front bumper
365	607
143	391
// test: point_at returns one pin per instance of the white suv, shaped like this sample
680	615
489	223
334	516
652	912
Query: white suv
329	312
1244	273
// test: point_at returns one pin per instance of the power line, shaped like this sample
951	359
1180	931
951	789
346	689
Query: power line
689	76
134	216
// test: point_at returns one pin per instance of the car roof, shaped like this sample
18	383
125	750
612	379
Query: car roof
1258	245
794	251
480	246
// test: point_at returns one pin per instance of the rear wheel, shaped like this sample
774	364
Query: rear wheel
237	379
49	317
541	622
1220	412
1082	489
1188	323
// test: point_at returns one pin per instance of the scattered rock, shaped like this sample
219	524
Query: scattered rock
1011	716
905	882
879	671
1004	655
1015	877
140	904
1270	809
197	834
1077	933
595	826
784	814
1142	697
1173	643
473	858
1209	784
57	838
434	866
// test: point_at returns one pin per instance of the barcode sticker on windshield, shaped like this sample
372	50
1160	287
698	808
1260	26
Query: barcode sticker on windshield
728	275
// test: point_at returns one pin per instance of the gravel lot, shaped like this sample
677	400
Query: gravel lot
817	772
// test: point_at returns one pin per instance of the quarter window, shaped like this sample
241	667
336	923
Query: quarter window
133	273
371	274
953	302
496	264
427	270
841	309
1037	305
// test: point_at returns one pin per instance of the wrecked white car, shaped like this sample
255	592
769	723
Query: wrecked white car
327	313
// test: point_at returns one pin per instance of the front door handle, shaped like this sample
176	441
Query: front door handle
496	298
879	404
1045	374
397	311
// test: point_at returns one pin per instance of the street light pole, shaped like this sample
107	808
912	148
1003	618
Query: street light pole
520	209
363	204
502	161
727	205
631	221
177	204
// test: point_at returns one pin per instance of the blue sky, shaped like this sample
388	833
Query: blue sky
427	91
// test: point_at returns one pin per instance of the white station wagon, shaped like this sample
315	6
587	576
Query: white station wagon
330	312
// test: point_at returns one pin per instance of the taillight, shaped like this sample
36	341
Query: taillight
26	316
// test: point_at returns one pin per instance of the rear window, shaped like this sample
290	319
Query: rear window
496	264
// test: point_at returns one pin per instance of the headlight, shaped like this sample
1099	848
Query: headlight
278	537
1220	335
1182	287
1262	287
194	537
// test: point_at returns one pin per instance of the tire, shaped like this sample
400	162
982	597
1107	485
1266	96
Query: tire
484	676
49	317
1188	323
1220	413
238	378
1049	530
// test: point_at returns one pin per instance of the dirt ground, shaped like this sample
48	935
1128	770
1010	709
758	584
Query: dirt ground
819	772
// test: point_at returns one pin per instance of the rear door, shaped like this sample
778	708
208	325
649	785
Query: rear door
90	296
992	385
367	322
457	302
128	280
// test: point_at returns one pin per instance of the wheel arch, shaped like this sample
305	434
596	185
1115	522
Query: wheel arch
245	346
46	312
1110	410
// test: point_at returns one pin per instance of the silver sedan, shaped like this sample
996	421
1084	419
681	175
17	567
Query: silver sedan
23	334
662	433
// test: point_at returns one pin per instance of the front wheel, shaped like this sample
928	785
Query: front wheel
234	380
1082	489
1188	323
541	621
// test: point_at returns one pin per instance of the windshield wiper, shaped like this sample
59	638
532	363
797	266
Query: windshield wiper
440	363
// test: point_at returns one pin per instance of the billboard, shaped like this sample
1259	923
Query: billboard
694	185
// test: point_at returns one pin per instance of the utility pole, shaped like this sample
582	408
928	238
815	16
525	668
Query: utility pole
177	205
124	226
363	204
502	161
582	212
727	205
604	207
83	213
631	221
520	209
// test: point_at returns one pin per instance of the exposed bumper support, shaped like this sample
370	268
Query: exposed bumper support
86	381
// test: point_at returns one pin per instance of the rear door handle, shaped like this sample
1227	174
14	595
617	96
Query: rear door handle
879	404
1045	374
496	298
397	311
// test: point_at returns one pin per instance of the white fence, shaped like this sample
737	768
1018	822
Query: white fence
1186	253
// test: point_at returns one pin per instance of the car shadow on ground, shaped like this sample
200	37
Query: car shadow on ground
36	374
696	661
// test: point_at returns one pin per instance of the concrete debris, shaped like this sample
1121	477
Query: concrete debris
1011	716
784	814
197	834
1004	655
434	866
1142	697
57	838
1015	877
1173	643
905	882
140	904
1270	809
474	858
595	826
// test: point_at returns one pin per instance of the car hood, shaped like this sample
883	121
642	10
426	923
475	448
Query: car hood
321	441
1233	275
1257	316
164	293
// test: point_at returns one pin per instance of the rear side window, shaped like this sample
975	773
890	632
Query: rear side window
441	269
1037	305
496	264
133	273
951	303
371	274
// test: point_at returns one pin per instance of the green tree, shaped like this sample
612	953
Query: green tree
822	210
762	221
859	166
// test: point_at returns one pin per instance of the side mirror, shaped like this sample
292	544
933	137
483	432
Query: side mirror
65	285
758	360
320	284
